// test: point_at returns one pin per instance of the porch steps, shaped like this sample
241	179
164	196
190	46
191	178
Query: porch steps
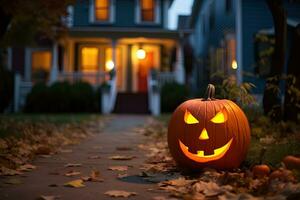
135	103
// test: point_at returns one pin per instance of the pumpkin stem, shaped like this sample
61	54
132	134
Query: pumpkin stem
210	92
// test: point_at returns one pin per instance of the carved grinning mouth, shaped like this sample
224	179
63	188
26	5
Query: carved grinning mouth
200	157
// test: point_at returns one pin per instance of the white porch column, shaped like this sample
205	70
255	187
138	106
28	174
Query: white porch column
113	46
27	68
54	69
179	67
239	41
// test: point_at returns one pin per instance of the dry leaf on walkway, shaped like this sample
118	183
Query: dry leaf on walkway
26	168
120	176
94	177
76	183
94	157
9	172
120	193
72	173
181	181
44	197
119	157
73	165
118	168
66	151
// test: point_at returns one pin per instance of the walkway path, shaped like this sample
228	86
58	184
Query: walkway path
48	178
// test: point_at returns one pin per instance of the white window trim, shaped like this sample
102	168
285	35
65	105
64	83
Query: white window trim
92	18
157	13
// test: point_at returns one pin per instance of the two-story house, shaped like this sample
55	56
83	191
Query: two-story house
130	37
226	38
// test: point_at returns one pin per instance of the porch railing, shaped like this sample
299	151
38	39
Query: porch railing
108	97
165	77
94	78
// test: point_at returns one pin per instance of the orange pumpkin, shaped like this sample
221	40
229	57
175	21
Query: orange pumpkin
261	171
208	133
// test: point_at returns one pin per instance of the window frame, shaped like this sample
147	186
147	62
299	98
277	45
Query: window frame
157	13
92	13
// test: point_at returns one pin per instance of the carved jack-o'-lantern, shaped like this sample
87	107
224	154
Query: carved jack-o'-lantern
208	133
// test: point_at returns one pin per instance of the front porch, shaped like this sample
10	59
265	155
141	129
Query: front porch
122	63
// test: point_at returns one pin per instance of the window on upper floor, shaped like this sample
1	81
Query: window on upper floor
102	10
148	11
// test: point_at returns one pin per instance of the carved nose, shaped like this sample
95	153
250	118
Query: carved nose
203	135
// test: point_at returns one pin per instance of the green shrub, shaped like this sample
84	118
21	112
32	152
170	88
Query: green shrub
6	88
83	97
37	99
172	94
62	97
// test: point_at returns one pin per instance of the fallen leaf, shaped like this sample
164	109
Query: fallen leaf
76	183
26	168
95	176
119	157
120	176
94	157
73	165
120	193
44	197
118	168
72	173
66	151
9	172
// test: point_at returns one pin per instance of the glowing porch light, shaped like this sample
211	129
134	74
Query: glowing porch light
109	65
234	64
141	54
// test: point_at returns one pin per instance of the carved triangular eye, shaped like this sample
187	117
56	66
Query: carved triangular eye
220	117
189	118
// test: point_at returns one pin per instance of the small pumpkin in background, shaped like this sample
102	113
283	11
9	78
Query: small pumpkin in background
292	162
260	171
208	133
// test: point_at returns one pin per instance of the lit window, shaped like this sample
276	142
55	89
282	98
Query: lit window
89	59
147	10
41	60
102	10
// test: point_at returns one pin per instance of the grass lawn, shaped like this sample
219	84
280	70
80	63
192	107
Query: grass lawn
289	144
6	121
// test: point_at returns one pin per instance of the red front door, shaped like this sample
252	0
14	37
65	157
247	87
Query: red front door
144	67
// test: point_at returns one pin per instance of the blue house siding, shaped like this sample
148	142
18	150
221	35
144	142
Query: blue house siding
124	14
81	13
255	17
211	36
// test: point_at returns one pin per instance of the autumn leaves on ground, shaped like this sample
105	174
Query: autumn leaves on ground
92	157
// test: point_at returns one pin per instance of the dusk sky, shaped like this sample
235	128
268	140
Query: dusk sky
179	7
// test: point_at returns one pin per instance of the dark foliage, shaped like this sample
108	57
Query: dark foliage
172	94
63	97
6	88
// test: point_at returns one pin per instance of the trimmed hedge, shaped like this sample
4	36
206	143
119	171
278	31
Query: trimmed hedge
6	88
63	97
172	95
